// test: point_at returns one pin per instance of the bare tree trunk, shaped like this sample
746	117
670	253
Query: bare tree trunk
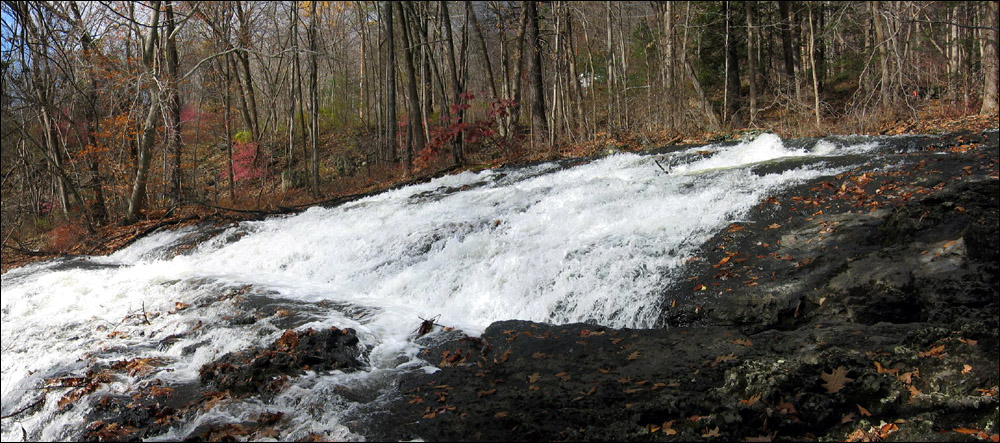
247	83
137	198
456	143
988	41
812	64
390	84
99	209
538	122
173	114
751	62
415	133
478	30
313	100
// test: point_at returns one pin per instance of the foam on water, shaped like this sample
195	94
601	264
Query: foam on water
593	243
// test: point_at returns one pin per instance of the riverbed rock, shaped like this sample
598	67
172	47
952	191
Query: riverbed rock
265	370
857	307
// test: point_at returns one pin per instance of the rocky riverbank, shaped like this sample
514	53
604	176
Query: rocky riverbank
862	307
857	307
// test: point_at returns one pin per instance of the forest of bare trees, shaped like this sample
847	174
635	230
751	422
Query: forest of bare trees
114	111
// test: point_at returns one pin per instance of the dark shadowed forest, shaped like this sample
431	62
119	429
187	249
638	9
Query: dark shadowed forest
119	117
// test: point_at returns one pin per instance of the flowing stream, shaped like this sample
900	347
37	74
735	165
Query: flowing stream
597	242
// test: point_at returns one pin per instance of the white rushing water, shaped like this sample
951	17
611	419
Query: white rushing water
598	242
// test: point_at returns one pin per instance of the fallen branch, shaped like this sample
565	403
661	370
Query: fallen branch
26	408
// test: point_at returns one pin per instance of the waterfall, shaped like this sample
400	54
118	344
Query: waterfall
597	242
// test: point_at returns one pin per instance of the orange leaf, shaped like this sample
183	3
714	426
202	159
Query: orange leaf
881	370
932	352
966	369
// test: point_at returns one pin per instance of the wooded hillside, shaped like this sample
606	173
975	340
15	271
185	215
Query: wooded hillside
119	112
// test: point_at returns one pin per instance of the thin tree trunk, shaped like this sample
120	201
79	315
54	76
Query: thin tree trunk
138	196
313	100
812	64
751	63
415	134
390	84
478	30
988	43
456	143
173	114
538	122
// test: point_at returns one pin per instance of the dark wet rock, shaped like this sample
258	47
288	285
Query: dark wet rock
862	306
264	370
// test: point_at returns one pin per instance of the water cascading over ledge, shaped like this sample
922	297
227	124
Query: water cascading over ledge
597	243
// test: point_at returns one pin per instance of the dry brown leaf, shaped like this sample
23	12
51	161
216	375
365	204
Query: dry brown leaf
966	369
634	355
836	380
534	377
482	394
742	341
753	399
932	352
711	433
881	370
907	377
723	358
863	411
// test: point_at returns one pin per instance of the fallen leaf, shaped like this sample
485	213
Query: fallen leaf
700	288
887	429
932	352
711	433
881	370
863	411
634	355
742	341
722	262
835	381
563	376
967	341
966	369
723	358
786	408
763	438
501	414
482	394
753	399
907	377
913	392
847	418
534	377
603	371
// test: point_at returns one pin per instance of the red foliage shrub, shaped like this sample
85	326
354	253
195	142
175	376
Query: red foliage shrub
248	162
65	236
